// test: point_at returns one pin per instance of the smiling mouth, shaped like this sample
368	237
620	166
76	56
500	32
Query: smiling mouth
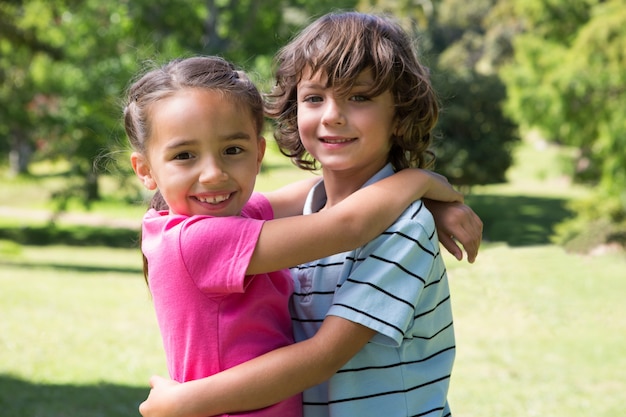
214	199
337	140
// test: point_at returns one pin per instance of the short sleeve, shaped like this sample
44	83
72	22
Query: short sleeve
386	283
217	250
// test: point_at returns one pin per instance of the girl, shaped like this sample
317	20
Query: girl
195	126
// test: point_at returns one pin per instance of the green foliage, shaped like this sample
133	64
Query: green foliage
52	234
67	64
568	81
573	88
476	139
599	222
64	66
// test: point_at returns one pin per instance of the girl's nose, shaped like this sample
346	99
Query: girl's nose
212	173
333	113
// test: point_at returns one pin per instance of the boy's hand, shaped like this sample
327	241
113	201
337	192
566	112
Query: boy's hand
161	401
457	222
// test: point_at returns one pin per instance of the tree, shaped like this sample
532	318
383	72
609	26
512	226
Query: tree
473	137
568	81
19	45
477	138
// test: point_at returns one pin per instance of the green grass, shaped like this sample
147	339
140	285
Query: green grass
540	332
78	335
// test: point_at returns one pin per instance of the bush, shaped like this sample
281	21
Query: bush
600	221
52	234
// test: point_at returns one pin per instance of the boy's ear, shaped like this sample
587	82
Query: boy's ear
142	170
396	127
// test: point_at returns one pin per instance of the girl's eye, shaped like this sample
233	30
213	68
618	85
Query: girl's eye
183	156
234	150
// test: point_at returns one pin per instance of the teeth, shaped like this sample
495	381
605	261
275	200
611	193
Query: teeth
216	199
337	140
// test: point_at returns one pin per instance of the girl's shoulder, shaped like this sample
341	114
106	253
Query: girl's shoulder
258	207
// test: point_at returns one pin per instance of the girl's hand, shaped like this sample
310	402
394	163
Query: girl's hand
457	222
162	400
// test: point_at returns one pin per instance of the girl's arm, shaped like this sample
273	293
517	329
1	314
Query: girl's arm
361	217
285	372
456	222
289	200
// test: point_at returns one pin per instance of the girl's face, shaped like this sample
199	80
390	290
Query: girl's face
203	154
349	134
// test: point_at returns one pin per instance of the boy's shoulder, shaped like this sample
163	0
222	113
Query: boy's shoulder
417	213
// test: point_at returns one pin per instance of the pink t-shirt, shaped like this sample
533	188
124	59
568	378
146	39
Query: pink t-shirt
212	315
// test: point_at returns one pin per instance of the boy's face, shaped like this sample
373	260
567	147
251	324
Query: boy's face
203	153
350	133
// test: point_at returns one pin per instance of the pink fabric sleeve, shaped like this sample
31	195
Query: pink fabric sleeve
217	250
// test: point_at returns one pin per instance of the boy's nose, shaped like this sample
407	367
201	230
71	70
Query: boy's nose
333	113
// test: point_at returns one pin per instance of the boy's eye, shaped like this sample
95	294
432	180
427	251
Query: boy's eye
183	156
359	97
313	99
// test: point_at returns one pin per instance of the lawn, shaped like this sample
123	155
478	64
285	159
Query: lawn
78	335
540	332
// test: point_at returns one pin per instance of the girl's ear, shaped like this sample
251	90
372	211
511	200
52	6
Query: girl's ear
261	152
142	170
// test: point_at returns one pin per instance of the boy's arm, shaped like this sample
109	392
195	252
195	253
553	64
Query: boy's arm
353	222
285	372
457	222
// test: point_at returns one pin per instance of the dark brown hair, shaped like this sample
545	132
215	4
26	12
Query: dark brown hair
341	46
211	73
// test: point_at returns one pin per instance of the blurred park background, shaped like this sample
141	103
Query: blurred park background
533	129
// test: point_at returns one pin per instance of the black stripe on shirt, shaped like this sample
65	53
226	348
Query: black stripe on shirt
417	242
387	293
437	333
399	330
424	313
417	210
394	365
380	394
406	271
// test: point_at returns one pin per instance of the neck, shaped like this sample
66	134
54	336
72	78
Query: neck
341	184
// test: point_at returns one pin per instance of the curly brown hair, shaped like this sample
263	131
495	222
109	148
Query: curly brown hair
340	46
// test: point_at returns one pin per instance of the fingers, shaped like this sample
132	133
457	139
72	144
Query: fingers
458	226
470	234
451	246
158	381
155	380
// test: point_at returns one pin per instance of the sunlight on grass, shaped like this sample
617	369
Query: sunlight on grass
539	332
65	323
